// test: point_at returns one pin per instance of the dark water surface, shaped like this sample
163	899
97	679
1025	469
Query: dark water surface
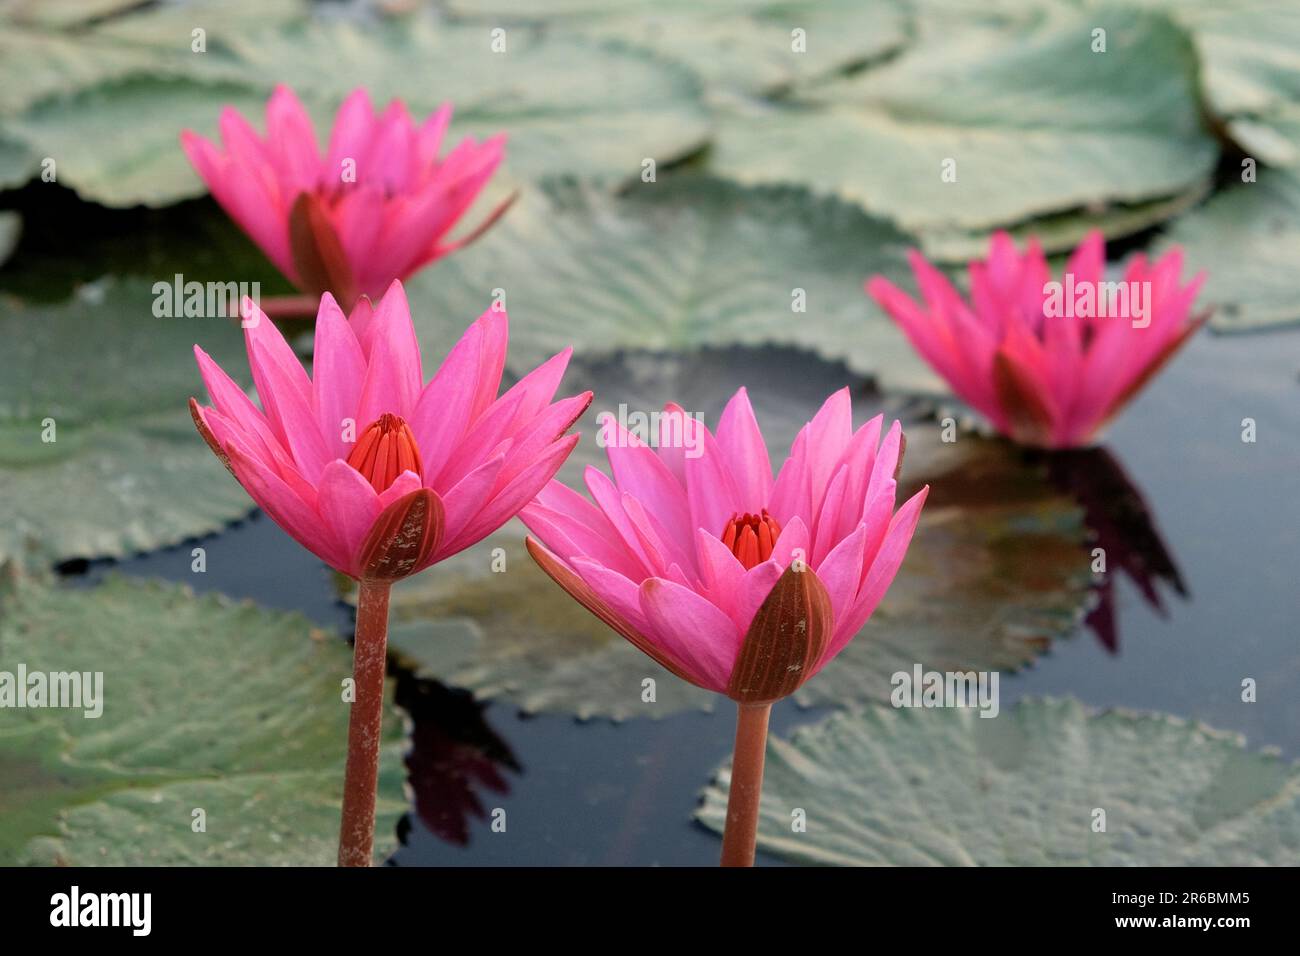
601	793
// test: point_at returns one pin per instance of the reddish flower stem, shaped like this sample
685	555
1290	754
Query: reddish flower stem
360	779
746	785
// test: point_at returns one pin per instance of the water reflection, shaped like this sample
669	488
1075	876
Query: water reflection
454	755
1123	526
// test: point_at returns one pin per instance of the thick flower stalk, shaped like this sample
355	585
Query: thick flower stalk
376	205
1049	363
738	582
378	473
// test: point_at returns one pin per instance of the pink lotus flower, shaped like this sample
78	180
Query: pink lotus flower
375	472
736	582
376	206
1048	364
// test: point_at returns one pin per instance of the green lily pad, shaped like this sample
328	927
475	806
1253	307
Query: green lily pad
17	163
994	573
945	787
745	46
1250	71
1247	238
38	64
62	13
119	143
205	704
1036	123
98	454
116	143
680	264
1063	232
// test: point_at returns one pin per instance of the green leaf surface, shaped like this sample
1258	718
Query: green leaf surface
680	264
1036	123
1247	239
206	704
995	572
743	47
117	143
946	787
109	383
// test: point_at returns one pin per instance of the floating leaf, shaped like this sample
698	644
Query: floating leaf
946	787
1247	238
1032	120
1063	232
17	163
62	13
677	265
207	704
38	65
98	454
995	570
748	46
1250	71
117	143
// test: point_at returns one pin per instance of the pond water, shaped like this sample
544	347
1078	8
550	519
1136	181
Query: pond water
1220	526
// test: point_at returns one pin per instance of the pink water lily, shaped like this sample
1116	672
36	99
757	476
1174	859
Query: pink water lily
1048	363
376	205
332	457
381	475
682	552
733	580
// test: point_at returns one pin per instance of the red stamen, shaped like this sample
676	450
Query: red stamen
386	449
751	538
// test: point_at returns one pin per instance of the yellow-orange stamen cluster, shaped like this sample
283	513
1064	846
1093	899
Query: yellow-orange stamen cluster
751	537
386	449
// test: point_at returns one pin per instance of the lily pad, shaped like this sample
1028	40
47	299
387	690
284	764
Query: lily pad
40	64
63	13
1063	232
1036	123
748	46
117	142
1250	71
206	704
946	787
17	163
995	571
681	264
1247	238
98	453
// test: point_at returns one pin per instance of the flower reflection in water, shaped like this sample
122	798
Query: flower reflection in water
1123	526
454	756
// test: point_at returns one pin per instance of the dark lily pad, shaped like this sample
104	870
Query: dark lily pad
947	787
206	704
100	455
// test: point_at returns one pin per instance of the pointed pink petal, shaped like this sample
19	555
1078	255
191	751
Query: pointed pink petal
692	630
